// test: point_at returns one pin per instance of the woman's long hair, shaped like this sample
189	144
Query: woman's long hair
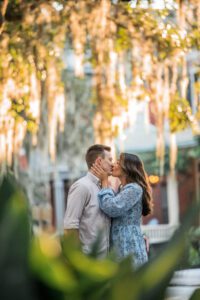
133	168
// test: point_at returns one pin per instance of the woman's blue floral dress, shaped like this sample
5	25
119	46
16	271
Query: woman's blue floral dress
125	209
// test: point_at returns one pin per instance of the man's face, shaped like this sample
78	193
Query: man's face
106	162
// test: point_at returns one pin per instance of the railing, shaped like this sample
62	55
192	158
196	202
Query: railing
183	284
159	233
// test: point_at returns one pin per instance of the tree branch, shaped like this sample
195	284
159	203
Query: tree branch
2	14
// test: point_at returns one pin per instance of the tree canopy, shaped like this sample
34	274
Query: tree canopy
135	53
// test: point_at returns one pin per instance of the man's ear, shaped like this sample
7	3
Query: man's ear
98	160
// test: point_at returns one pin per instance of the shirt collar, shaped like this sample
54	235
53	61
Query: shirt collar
94	179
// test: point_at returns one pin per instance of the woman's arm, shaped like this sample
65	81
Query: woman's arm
117	205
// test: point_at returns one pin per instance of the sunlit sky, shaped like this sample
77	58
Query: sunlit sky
156	4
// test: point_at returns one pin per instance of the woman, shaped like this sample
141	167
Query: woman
126	207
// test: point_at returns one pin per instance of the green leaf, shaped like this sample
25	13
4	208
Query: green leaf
195	295
14	241
47	264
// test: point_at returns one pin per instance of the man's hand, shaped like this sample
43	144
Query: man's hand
74	232
146	239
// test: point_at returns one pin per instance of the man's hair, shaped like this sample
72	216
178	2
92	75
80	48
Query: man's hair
93	152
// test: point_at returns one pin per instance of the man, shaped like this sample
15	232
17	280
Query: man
83	214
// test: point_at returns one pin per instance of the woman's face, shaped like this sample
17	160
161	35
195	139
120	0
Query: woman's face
117	170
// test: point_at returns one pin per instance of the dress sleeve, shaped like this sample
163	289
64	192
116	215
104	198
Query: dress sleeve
117	205
77	199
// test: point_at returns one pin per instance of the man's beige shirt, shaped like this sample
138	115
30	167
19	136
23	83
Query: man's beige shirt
83	213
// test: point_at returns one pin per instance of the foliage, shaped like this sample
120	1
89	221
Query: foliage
194	249
46	268
33	35
195	295
179	114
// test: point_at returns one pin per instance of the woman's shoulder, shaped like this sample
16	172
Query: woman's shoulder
133	185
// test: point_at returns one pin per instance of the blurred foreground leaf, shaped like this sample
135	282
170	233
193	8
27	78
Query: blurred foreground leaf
196	295
14	241
47	263
93	274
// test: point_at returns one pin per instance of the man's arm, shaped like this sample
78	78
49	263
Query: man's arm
76	201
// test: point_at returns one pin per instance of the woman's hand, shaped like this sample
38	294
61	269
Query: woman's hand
99	172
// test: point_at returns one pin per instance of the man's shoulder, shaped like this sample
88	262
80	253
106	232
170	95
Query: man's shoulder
81	183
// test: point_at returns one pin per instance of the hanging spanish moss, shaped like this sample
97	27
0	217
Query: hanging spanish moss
136	53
